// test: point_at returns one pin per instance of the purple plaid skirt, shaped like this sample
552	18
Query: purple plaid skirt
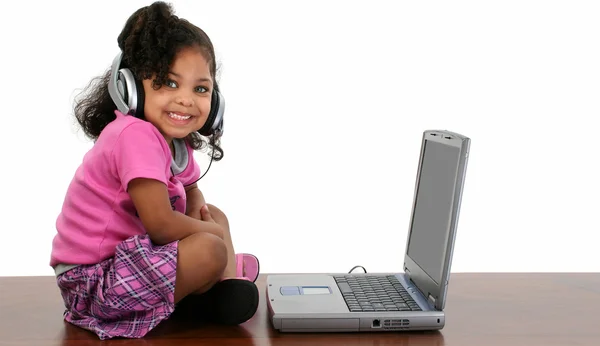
123	296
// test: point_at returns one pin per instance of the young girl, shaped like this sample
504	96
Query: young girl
135	236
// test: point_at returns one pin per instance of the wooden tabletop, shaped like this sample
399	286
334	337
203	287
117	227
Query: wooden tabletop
482	309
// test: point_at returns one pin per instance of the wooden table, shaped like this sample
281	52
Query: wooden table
482	309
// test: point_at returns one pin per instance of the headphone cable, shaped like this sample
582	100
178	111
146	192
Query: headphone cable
210	163
212	156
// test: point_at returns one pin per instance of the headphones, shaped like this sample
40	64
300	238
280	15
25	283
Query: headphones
127	93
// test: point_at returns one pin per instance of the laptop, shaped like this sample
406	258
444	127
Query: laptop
412	299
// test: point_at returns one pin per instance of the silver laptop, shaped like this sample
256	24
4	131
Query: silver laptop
413	299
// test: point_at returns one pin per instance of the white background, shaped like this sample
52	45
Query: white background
326	104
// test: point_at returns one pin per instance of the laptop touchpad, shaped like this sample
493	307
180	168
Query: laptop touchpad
304	290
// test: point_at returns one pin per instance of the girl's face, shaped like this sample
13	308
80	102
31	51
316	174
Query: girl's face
182	104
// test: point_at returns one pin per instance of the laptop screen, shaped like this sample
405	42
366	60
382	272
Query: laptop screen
432	217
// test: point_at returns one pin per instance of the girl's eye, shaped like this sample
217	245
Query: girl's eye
171	84
201	89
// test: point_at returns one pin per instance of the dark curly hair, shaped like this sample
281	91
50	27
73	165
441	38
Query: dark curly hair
150	39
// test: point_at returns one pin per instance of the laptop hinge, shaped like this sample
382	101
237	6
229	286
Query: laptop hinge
431	299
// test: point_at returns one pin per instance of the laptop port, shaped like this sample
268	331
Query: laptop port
376	324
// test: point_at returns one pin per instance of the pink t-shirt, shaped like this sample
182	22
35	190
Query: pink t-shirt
97	212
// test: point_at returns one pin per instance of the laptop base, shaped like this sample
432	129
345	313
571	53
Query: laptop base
321	308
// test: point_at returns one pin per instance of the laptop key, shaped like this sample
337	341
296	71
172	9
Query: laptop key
344	287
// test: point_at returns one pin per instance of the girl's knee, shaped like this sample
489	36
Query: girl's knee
211	251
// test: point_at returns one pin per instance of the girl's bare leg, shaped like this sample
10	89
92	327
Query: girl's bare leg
221	219
234	301
201	261
205	259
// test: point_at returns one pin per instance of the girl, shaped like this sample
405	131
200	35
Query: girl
135	235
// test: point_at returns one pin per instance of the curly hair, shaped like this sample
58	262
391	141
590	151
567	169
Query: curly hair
149	41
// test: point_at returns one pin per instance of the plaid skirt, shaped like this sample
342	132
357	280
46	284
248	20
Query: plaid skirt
123	296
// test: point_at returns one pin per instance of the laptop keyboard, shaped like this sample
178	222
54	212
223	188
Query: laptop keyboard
367	293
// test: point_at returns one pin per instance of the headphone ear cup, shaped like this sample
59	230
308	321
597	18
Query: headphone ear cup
214	122
139	92
131	91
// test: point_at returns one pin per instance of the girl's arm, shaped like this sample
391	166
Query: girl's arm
163	224
194	201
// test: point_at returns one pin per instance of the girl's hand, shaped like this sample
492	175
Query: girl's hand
205	214
195	213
